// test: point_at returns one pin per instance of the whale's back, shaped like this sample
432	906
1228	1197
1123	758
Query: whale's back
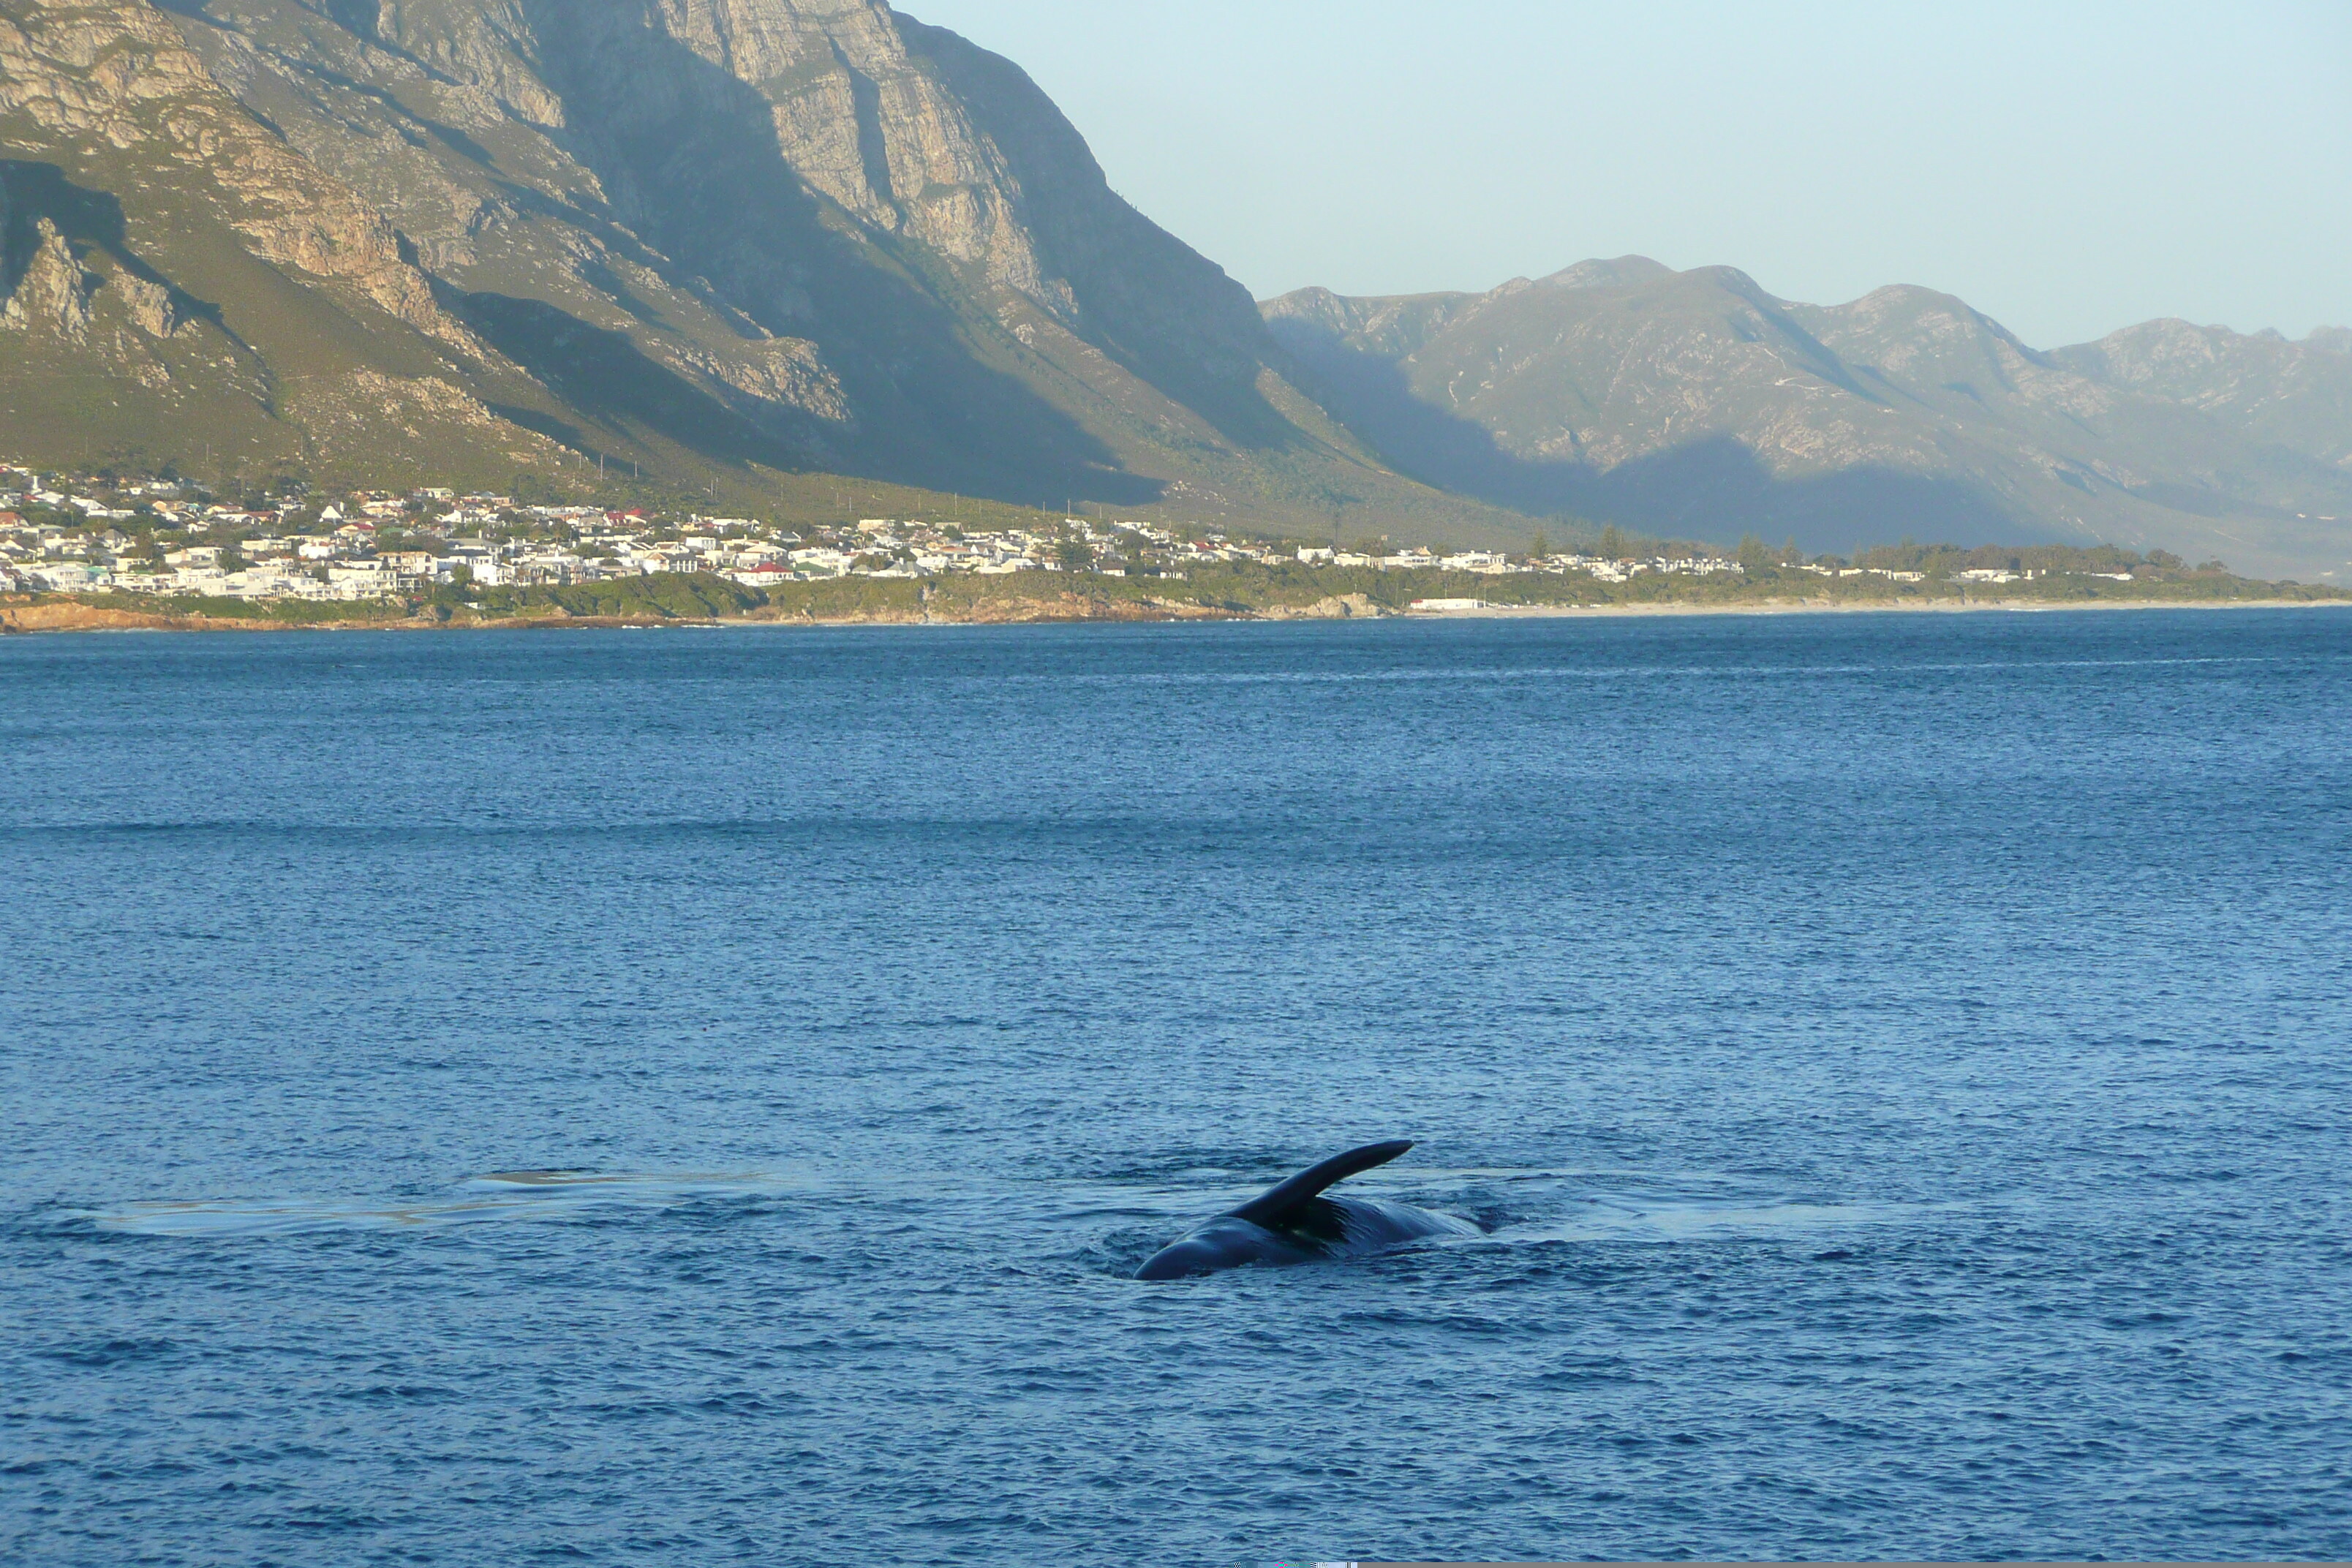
1294	1221
1368	1225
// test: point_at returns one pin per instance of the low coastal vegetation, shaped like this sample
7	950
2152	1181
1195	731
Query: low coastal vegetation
1241	590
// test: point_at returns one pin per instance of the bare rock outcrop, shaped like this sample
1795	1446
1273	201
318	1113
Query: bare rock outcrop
54	292
121	73
152	307
1330	607
789	372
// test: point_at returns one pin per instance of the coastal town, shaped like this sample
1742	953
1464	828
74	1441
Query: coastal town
288	550
163	537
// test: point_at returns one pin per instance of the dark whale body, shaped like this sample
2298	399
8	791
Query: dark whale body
1294	1223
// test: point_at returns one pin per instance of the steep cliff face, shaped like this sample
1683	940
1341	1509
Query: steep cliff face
1696	402
1165	312
725	238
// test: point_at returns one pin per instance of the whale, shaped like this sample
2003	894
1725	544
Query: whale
1293	1222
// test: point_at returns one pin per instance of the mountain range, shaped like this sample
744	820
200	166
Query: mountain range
1685	403
803	254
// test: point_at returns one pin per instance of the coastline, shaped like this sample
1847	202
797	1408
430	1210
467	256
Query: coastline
1902	606
47	614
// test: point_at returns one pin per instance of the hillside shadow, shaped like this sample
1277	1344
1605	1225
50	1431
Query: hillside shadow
1711	487
1717	487
88	219
688	159
601	374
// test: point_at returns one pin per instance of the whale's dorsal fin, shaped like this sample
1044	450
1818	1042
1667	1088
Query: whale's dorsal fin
1272	1207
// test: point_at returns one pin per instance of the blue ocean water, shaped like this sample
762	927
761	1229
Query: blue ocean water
1900	1064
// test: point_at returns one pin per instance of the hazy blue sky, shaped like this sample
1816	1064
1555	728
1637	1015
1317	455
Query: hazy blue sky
2067	168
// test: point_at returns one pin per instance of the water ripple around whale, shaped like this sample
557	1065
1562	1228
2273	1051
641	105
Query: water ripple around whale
498	1196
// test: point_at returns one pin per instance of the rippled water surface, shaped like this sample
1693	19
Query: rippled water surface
482	1099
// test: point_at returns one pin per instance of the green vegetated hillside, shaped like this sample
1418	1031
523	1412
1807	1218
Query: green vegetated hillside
774	253
1691	402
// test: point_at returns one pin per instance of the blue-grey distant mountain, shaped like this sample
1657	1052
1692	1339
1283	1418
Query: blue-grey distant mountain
1698	404
2294	395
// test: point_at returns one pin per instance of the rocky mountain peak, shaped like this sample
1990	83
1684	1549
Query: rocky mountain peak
1616	273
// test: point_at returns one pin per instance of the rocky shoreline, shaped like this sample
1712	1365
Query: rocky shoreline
22	614
62	614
